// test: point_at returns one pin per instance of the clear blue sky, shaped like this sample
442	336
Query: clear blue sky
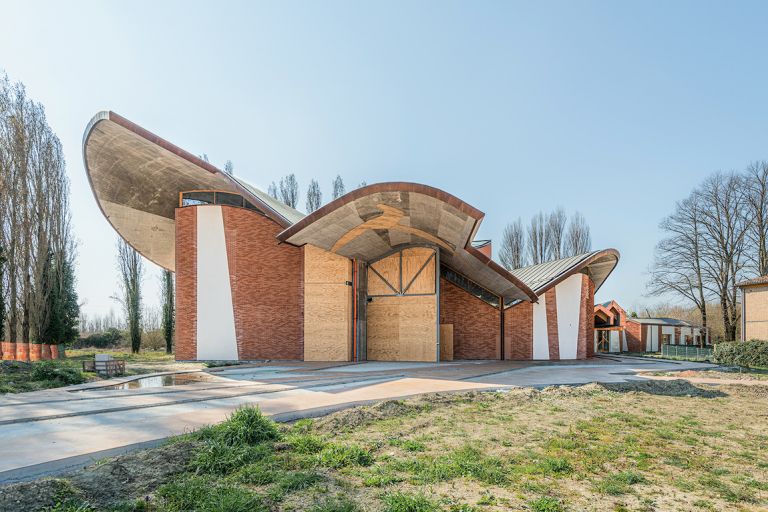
615	109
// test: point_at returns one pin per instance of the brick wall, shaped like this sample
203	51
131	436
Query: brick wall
586	346
634	332
476	324
186	284
518	331
550	296
267	282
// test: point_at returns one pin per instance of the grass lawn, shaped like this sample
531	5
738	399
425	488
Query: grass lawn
647	446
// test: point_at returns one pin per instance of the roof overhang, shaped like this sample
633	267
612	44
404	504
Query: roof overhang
136	178
371	221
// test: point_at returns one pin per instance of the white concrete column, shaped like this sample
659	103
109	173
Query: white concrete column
216	338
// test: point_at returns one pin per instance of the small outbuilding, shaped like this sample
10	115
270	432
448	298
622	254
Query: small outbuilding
754	308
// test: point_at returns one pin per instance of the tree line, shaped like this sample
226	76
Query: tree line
287	191
714	238
548	236
38	302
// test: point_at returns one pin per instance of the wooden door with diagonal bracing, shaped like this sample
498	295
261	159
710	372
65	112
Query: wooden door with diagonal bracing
402	308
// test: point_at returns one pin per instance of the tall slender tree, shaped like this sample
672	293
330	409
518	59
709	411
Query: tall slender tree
512	251
168	305
314	196
555	234
131	269
229	167
577	239
537	241
289	190
338	187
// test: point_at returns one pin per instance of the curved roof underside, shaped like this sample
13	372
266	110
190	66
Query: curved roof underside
598	265
370	221
137	176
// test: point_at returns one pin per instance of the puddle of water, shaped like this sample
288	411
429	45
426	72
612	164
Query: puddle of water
159	381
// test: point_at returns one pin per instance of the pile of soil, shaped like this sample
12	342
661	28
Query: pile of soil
103	485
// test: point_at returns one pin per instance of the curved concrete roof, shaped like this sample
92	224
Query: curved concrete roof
370	221
136	178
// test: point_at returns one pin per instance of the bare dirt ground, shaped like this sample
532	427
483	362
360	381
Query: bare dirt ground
646	446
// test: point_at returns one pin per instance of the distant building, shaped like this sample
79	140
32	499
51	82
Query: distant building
616	332
754	308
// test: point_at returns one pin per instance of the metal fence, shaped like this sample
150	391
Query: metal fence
687	352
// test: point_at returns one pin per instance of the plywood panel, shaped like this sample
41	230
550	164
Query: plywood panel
327	316
413	260
327	306
446	342
321	266
376	286
402	328
389	268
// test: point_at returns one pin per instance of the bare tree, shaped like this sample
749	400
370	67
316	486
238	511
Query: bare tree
338	187
272	190
757	210
537	239
131	269
555	234
677	266
512	251
289	190
724	253
362	184
169	309
229	167
577	239
314	196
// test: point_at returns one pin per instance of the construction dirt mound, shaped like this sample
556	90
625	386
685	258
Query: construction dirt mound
103	485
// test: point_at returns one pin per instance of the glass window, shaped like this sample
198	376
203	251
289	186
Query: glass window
469	286
227	199
196	198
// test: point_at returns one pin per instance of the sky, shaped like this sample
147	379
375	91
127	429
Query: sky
613	109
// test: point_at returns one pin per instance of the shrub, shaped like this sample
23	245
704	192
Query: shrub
749	354
246	426
110	338
55	371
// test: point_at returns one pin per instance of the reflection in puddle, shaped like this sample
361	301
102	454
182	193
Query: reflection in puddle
159	381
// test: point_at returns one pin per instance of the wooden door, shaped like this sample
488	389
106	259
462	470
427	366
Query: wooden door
402	307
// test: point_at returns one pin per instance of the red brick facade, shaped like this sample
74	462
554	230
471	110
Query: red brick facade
550	296
586	346
518	331
476	324
186	284
267	280
634	334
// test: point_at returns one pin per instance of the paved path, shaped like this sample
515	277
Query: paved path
52	431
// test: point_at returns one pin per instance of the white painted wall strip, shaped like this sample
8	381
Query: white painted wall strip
216	338
540	334
568	295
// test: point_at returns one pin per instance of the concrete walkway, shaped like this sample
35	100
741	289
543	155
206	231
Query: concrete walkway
57	430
